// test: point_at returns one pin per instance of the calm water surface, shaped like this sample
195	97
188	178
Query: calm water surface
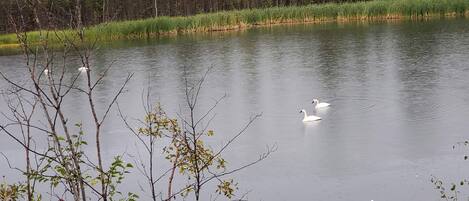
399	93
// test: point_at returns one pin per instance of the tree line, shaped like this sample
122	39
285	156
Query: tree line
61	13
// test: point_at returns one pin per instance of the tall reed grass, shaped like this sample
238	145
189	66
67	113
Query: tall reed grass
376	9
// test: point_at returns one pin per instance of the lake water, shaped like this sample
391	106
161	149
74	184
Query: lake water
399	93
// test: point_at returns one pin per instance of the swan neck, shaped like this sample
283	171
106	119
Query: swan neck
304	112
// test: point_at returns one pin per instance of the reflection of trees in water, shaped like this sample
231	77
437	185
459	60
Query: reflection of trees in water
330	49
249	48
418	70
358	47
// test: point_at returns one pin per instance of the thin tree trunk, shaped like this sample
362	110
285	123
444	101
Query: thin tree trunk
171	177
197	170
153	190
156	8
28	162
98	131
35	5
104	11
78	14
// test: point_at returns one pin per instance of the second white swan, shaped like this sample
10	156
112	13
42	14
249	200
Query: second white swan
310	117
83	69
318	104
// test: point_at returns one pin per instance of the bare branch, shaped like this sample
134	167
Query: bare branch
115	97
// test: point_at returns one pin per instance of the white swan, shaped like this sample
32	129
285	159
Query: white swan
318	104
310	117
83	69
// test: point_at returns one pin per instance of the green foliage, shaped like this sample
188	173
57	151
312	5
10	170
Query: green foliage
63	174
248	17
192	160
115	176
453	192
227	188
187	151
157	123
130	197
11	192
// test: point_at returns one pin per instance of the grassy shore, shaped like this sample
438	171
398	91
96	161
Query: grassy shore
231	20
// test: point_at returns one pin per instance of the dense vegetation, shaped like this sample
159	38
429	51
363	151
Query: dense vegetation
60	12
378	9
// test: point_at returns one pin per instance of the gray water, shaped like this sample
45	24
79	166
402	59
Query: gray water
399	93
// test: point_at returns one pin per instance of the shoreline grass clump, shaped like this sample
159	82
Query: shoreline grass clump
232	20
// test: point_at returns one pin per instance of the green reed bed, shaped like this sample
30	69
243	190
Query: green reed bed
377	9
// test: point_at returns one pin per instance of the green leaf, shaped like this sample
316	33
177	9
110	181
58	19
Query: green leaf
210	133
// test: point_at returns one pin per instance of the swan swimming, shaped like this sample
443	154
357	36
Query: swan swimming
319	104
310	117
83	69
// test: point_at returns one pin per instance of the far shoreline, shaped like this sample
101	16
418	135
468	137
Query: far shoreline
153	28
